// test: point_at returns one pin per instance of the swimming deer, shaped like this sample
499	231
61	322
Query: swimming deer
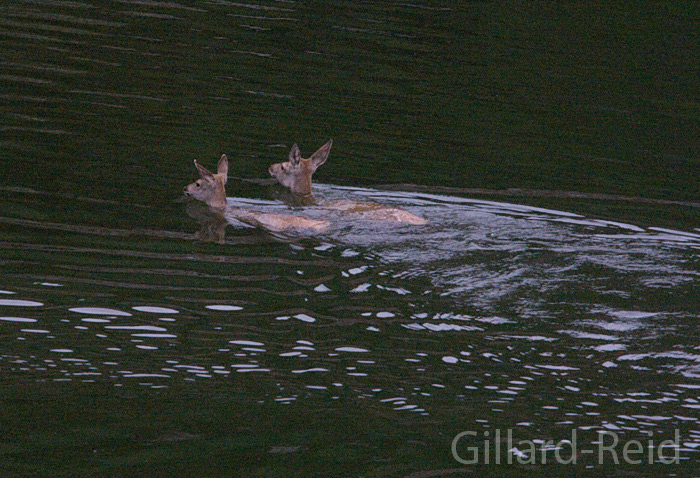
210	189
296	173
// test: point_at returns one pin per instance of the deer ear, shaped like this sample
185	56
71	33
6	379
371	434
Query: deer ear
204	172
222	167
320	156
295	156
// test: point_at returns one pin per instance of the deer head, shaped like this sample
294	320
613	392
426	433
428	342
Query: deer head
210	187
296	173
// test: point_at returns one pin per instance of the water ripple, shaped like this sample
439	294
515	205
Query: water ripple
100	311
20	303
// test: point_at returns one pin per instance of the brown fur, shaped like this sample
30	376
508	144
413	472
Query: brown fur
210	189
296	173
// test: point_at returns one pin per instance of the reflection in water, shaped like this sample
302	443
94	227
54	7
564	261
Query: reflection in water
491	304
212	223
99	311
17	319
494	315
20	303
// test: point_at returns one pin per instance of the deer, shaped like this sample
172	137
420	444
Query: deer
296	173
210	188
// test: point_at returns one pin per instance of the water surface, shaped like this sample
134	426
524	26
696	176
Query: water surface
553	149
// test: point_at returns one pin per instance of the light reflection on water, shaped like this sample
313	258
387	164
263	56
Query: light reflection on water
493	301
493	315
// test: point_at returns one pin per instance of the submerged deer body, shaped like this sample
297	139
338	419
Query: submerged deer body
210	189
296	173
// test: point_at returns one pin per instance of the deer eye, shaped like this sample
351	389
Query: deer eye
197	184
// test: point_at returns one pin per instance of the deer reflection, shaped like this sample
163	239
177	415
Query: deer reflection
213	223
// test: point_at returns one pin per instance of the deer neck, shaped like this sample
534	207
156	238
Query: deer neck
218	200
302	185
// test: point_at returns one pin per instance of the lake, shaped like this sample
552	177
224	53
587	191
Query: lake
544	321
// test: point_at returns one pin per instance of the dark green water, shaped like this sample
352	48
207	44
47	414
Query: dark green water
554	149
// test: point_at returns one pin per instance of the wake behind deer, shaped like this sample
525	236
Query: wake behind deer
296	173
